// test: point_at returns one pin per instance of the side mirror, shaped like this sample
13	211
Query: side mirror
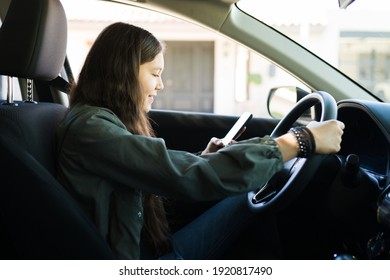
281	100
343	4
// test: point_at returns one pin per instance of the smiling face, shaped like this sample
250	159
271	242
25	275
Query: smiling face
150	79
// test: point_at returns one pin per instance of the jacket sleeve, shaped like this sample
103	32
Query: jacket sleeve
100	143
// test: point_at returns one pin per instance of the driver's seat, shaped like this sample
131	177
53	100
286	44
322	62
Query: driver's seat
38	218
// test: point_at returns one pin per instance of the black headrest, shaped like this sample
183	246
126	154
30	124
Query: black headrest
33	39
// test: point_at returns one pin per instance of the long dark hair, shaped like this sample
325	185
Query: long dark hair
109	78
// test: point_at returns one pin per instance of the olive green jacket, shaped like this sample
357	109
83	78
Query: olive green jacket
106	168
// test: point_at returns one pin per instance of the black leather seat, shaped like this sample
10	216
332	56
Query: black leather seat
38	218
33	127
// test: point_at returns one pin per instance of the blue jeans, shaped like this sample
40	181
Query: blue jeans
213	233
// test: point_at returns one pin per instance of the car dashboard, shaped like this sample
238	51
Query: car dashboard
360	195
367	136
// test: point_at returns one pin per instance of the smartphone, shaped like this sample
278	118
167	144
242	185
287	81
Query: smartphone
236	128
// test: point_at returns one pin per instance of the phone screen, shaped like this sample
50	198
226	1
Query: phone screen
236	128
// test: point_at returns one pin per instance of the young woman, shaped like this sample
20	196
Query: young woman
114	166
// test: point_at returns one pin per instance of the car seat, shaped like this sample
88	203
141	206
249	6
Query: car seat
38	218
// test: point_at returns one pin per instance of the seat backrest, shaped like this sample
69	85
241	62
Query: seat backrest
38	218
33	40
33	127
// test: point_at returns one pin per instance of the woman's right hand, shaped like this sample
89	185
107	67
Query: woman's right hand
327	135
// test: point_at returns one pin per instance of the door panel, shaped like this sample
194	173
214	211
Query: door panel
192	131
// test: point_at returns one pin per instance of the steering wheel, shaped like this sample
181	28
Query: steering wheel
288	183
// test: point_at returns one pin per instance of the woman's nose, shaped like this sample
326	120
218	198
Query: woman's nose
160	85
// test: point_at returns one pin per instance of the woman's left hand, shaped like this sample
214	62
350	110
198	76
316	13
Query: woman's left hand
214	145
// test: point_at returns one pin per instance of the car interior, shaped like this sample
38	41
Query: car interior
336	207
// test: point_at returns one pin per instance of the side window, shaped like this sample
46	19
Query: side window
4	85
3	90
4	80
204	72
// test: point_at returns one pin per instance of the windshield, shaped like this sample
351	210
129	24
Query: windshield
356	40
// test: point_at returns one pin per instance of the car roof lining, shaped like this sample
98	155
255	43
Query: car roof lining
210	14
